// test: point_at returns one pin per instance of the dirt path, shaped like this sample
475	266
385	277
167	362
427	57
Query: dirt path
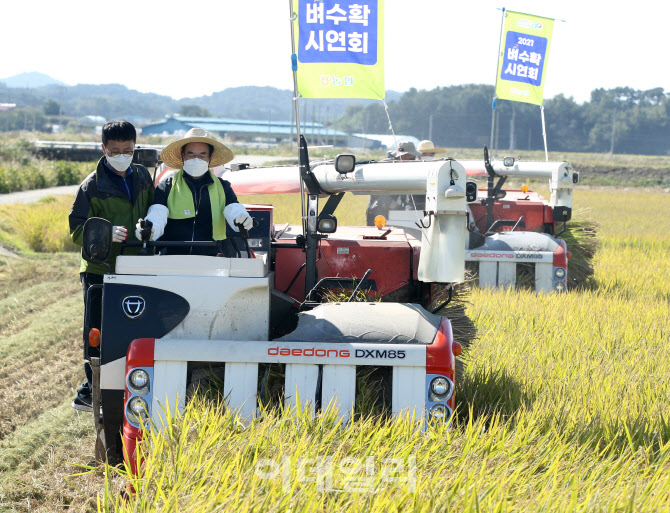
28	196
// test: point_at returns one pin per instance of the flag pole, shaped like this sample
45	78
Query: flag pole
544	134
296	105
495	83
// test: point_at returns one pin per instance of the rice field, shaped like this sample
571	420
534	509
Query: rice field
563	407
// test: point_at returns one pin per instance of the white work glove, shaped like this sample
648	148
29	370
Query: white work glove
158	215
235	213
119	233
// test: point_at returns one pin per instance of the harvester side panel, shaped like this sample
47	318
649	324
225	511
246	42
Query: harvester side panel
498	258
300	385
302	361
544	277
339	388
408	391
239	387
212	311
531	212
172	376
507	274
346	257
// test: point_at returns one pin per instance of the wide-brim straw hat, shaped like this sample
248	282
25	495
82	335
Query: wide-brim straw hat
427	146
171	154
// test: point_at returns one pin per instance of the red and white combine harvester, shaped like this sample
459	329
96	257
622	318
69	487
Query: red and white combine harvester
171	321
512	232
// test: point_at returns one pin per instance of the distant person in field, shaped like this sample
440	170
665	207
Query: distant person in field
428	150
120	192
379	205
194	204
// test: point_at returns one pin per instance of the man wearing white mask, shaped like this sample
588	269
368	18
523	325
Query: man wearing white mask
194	204
120	192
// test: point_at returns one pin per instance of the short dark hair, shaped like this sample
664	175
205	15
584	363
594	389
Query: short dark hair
118	131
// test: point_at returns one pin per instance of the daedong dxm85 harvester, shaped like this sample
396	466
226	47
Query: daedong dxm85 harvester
169	320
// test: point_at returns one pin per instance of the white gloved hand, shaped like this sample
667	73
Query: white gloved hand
138	231
119	233
235	214
158	215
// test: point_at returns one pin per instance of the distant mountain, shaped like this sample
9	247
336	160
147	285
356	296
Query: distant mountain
253	102
115	101
30	80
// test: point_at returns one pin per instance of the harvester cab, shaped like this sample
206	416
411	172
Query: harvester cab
172	323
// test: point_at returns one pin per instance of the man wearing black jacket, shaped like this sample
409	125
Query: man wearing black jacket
120	192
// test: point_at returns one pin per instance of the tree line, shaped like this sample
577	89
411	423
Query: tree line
619	120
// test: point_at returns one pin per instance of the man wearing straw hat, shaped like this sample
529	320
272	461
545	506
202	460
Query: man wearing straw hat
428	150
194	204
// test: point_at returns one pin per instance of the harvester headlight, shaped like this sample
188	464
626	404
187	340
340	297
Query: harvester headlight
137	410
345	163
139	379
138	405
441	387
327	223
560	286
559	273
438	412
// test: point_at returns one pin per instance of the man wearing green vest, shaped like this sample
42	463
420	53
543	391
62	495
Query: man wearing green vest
194	204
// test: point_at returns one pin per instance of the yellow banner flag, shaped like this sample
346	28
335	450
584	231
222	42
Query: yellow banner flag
340	48
522	64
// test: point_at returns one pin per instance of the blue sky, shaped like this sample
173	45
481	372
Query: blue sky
194	48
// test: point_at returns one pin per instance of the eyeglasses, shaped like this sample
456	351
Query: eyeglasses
126	153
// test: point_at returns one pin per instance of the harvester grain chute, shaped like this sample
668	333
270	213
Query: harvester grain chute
168	318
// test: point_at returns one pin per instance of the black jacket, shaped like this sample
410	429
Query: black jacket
98	196
200	226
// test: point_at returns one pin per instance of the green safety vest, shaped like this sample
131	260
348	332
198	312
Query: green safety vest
180	203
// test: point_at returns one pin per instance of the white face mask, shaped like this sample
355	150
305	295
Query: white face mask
196	167
120	162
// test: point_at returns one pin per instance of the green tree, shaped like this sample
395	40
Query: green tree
194	111
52	108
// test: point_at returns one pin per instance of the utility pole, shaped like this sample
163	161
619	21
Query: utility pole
313	121
613	132
511	130
292	123
430	127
